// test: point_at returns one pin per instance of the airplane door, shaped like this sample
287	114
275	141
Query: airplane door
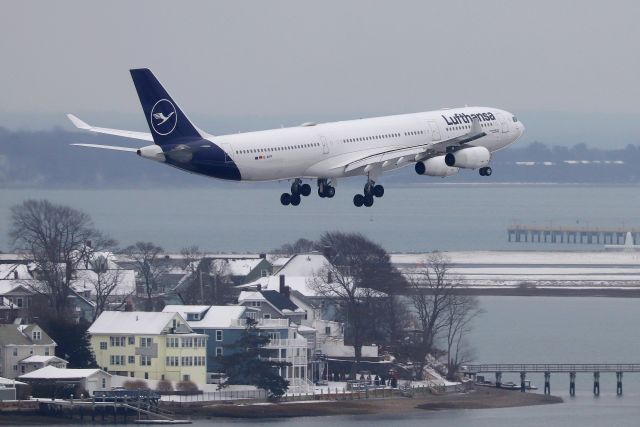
325	145
434	131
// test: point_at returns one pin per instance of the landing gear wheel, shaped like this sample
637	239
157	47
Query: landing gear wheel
295	199
285	199
486	171
378	191
305	189
330	192
321	193
368	200
358	200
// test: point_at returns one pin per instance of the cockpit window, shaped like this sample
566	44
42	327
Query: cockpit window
515	119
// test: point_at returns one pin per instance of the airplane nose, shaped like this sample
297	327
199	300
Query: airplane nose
520	128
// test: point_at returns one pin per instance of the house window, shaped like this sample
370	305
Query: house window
15	351
274	336
132	359
256	303
219	351
145	360
173	342
264	272
266	316
132	340
187	361
327	330
36	335
46	350
104	383
103	345
186	378
187	342
146	342
117	341
218	335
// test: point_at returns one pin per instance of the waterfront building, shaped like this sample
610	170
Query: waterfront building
149	345
20	342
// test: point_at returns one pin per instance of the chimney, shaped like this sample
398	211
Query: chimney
263	256
15	274
282	284
329	277
88	243
259	287
287	292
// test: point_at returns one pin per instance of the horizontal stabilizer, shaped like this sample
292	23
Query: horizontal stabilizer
107	147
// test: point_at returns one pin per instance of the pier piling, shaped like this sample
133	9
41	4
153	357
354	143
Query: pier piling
498	379
523	378
619	383
596	383
572	384
547	383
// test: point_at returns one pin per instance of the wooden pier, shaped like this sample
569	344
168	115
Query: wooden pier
548	368
125	411
570	235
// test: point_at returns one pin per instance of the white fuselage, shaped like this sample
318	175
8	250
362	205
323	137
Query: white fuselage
315	151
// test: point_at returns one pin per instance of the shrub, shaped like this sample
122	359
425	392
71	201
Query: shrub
136	385
164	385
187	386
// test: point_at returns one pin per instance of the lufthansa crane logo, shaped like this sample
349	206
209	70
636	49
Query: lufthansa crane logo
163	117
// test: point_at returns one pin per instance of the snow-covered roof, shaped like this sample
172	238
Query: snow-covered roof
133	322
303	328
51	372
9	272
9	286
185	309
279	262
242	267
250	296
304	265
7	381
42	359
86	279
218	316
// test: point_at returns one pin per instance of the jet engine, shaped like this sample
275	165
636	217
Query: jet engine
435	166
468	158
152	152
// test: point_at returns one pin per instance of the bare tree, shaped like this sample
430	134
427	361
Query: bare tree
191	260
301	245
220	287
460	313
150	265
336	283
431	294
105	283
57	239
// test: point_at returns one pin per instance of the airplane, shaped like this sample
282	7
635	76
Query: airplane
438	143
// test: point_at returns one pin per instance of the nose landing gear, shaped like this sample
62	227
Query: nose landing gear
486	171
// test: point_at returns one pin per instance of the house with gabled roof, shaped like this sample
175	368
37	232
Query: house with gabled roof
149	345
225	324
19	342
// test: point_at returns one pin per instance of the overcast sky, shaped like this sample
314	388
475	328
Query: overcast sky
323	57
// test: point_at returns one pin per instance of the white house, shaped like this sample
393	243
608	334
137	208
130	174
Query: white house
89	380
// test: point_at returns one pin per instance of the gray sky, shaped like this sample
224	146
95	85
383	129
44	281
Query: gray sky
317	58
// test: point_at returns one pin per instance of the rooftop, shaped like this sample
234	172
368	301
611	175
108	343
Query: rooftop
134	322
51	372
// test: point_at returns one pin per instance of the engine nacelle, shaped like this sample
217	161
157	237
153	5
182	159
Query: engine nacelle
469	158
435	166
152	152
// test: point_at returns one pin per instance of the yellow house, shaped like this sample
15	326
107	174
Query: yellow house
146	345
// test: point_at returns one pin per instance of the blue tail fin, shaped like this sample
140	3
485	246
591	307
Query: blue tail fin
167	122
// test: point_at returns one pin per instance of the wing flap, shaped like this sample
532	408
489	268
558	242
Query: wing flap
117	132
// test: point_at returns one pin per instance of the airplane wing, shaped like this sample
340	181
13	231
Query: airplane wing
124	133
398	156
107	147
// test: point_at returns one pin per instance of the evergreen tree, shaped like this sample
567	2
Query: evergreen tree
247	362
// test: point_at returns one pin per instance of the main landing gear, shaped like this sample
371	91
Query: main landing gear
485	171
325	189
371	190
298	189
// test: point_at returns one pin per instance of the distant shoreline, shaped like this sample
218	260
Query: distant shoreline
552	292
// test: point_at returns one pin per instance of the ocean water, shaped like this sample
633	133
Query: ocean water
249	218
